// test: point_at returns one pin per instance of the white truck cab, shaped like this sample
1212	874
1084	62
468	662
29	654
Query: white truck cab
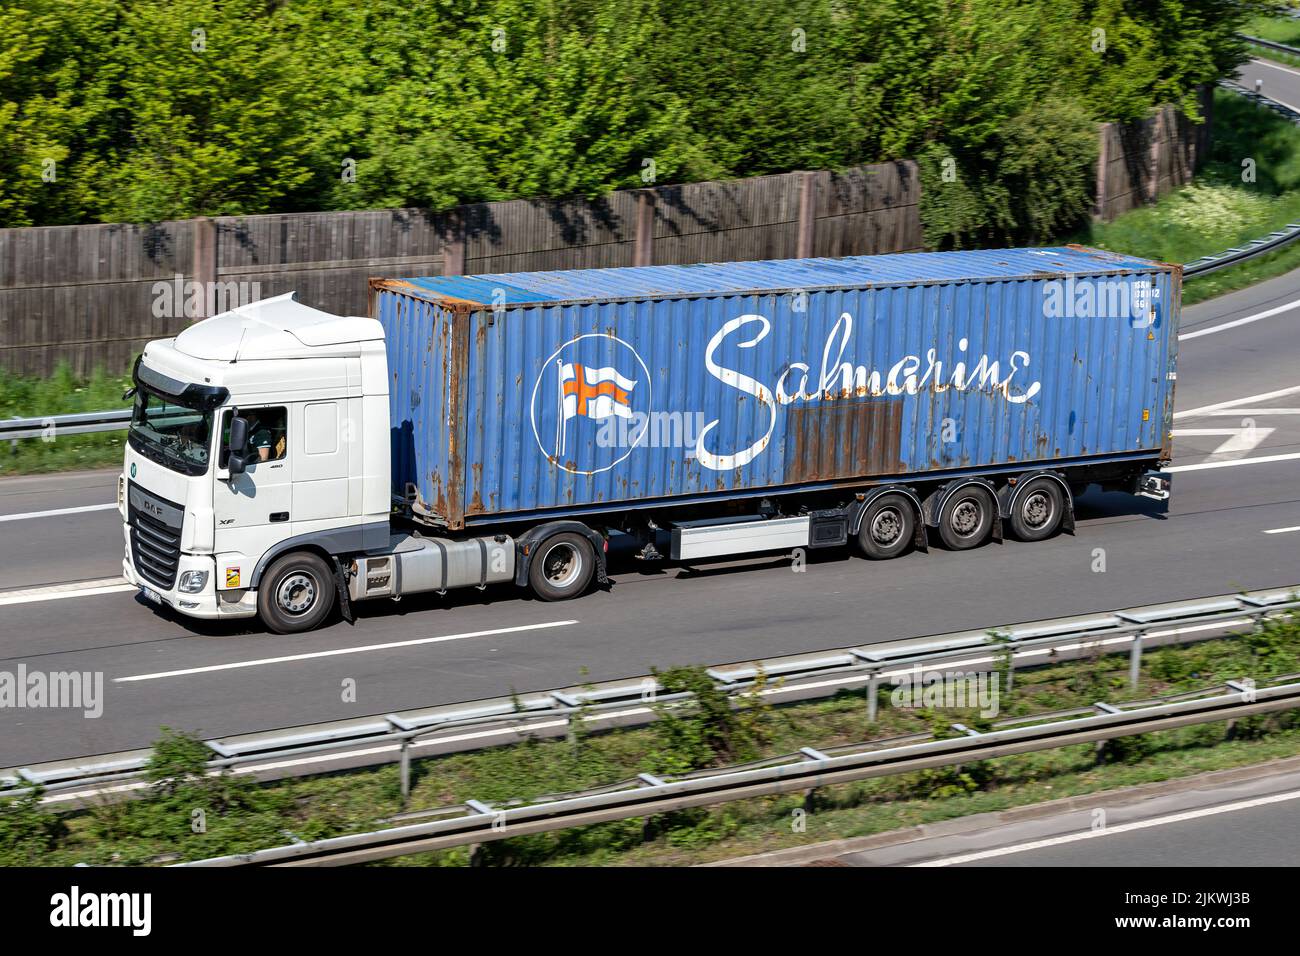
257	480
201	523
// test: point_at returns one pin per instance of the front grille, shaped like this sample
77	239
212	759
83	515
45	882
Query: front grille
155	547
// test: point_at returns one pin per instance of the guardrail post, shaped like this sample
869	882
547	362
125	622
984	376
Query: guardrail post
406	770
1135	660
873	686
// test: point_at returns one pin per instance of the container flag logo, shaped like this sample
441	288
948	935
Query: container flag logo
589	380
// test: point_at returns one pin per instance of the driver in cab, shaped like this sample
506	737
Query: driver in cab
262	439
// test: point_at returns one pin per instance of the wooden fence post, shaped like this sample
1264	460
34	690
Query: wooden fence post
453	247
205	263
807	215
1103	161
643	246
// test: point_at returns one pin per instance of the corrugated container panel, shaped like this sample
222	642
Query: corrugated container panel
585	390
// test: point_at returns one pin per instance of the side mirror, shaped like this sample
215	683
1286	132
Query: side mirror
237	445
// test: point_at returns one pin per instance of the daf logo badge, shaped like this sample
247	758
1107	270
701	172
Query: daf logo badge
132	469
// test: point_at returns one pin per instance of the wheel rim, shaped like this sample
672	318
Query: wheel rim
296	593
1037	510
887	526
966	518
562	565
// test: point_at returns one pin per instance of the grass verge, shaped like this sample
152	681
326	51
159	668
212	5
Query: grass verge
1277	56
1278	29
61	394
235	814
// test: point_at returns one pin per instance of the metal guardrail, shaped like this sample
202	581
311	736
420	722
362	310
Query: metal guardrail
54	425
1271	44
478	822
505	720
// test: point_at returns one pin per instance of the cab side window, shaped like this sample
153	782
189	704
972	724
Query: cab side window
268	434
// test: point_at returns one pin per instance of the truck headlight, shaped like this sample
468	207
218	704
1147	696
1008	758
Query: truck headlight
193	581
121	491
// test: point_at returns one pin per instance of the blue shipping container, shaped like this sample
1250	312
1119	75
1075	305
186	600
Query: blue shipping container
530	394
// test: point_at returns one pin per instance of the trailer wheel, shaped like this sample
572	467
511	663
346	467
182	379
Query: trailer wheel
296	593
967	517
1038	510
887	527
562	567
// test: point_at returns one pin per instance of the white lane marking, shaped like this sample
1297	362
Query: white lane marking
1229	412
1282	530
1275	66
1235	402
1261	61
58	511
1244	320
1113	830
342	650
1240	440
56	592
1257	460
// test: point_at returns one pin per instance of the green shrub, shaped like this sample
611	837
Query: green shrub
434	103
27	830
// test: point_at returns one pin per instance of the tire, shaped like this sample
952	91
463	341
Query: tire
887	528
562	567
296	593
967	517
1039	508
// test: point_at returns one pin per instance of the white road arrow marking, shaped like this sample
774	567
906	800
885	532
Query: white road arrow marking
1237	402
1240	442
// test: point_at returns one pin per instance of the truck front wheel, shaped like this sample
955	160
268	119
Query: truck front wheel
296	593
562	567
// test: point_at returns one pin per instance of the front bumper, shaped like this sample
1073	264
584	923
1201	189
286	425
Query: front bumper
209	604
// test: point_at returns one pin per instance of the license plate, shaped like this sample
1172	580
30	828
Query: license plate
152	595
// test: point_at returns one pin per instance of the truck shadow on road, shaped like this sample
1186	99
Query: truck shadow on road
1117	504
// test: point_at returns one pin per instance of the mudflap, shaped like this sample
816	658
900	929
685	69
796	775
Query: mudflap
341	584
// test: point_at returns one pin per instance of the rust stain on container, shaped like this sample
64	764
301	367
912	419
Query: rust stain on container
842	440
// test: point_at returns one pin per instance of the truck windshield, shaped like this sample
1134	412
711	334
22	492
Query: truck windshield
174	435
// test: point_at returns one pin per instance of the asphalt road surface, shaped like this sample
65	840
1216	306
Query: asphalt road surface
1217	821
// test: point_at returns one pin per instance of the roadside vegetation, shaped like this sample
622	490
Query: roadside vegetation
63	393
237	815
1220	208
168	109
548	98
